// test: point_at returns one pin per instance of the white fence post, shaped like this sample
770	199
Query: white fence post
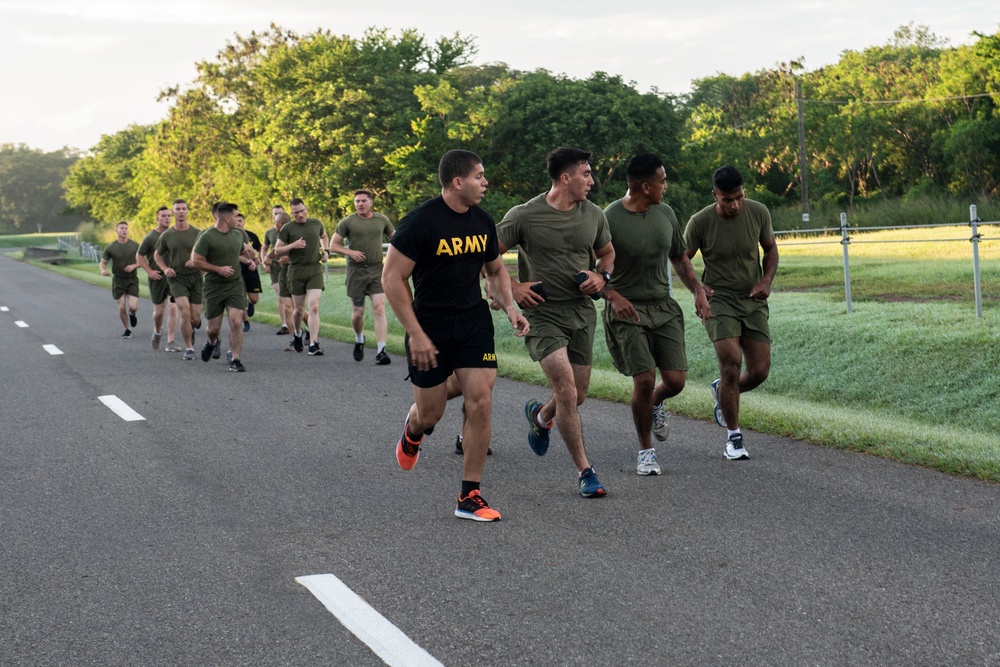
973	219
845	240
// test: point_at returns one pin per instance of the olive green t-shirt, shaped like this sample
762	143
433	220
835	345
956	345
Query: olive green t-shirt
270	236
365	235
644	243
312	231
222	249
554	246
121	255
730	248
175	247
148	247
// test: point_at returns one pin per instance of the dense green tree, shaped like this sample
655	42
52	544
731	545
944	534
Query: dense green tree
103	185
31	194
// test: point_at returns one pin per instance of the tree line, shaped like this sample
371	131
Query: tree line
277	114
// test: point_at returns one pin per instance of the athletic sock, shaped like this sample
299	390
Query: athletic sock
538	420
359	338
732	432
468	487
381	346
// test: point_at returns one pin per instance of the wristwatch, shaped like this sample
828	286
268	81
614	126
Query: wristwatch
606	276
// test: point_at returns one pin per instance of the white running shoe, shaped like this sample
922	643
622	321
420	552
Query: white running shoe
735	451
647	464
660	426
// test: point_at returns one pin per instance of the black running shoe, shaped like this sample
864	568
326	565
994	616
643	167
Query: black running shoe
127	334
206	351
297	343
359	351
217	348
250	310
382	359
132	319
236	366
314	350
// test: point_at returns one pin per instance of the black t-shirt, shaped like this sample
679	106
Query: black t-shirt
255	243
449	250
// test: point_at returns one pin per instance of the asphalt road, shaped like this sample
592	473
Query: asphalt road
177	539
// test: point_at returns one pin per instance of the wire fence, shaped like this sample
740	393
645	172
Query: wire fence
846	240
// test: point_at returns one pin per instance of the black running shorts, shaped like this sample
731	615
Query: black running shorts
464	339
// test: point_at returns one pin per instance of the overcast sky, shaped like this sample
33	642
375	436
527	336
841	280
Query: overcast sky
72	70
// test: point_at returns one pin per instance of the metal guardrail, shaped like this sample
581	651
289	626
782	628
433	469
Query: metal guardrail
845	240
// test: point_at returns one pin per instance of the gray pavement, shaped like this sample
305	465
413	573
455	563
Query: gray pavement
177	540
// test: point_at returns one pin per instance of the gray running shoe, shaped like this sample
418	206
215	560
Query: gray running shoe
647	464
229	356
155	341
172	346
660	426
189	354
217	348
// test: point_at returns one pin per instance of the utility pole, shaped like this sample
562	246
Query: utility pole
803	163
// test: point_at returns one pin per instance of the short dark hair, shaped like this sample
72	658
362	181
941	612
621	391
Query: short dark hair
641	168
562	160
121	222
726	179
278	206
456	164
223	208
179	201
162	208
362	191
296	202
283	217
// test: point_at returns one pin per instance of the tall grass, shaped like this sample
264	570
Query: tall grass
915	210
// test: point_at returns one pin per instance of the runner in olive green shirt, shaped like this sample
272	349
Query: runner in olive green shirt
159	289
364	230
558	234
125	284
277	267
173	256
217	252
643	324
728	234
305	243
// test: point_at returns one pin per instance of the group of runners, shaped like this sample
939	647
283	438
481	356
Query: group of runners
570	254
215	269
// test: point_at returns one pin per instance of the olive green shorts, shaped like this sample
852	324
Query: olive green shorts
219	296
125	286
275	273
734	316
655	341
283	282
304	277
557	325
159	290
186	285
362	281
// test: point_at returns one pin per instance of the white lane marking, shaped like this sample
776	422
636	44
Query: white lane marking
21	323
382	637
52	349
120	408
4	309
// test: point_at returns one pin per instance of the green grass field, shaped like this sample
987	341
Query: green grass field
910	375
